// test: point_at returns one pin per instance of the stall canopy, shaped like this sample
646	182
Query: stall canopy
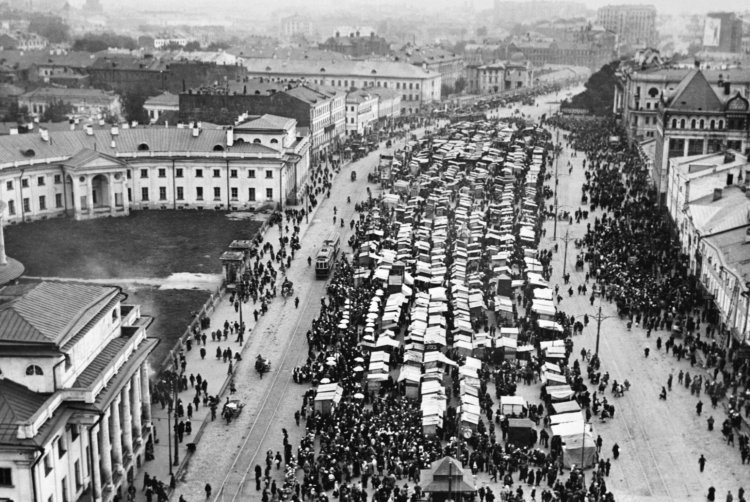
566	407
512	405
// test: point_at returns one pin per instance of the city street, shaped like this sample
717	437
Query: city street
660	441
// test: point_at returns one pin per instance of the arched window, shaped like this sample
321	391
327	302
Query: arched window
143	147
692	124
34	370
274	141
238	141
682	124
721	124
713	124
256	140
218	148
674	123
703	124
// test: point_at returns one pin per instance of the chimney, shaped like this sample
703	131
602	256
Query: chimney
44	133
717	193
747	236
89	130
114	131
196	132
134	124
721	80
230	137
113	144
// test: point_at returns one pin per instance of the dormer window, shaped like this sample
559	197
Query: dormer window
274	141
34	370
143	147
218	148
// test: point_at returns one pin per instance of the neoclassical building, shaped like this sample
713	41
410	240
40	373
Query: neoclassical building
262	162
75	414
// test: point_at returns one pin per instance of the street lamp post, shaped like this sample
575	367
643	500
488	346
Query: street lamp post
176	442
598	329
557	150
566	239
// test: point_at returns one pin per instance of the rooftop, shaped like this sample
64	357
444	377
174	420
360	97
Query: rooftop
51	93
49	312
268	121
728	212
17	405
310	67
734	250
163	99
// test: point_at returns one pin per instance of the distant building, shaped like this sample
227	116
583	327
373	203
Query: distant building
511	12
418	87
22	41
448	64
497	77
722	32
389	102
292	26
361	112
161	41
634	25
357	45
591	48
84	102
75	401
161	104
697	119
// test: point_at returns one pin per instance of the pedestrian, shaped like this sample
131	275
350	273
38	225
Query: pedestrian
616	451
699	408
702	462
208	490
296	302
710	422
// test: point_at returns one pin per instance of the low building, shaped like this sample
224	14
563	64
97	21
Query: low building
161	104
94	173
418	87
448	64
84	102
361	112
497	77
75	405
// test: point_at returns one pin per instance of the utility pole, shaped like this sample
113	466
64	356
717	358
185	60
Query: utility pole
557	157
598	329
175	381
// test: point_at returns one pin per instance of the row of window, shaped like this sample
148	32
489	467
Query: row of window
180	193
27	204
40	181
180	173
698	124
399	85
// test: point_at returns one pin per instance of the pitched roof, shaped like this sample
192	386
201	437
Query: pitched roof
51	311
163	99
713	216
310	67
86	157
694	93
17	404
267	121
52	93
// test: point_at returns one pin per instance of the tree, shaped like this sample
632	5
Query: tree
52	28
446	90
95	42
57	111
459	85
218	46
191	46
600	91
132	107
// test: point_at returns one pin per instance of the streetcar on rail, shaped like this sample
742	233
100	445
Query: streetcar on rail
326	258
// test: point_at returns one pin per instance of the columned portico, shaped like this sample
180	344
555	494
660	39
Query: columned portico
136	408
116	436
89	196
106	448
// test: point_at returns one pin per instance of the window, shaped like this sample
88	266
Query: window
233	173
33	369
74	432
26	205
11	207
180	193
178	173
234	193
40	181
144	194
9	185
251	173
162	193
269	174
47	465
25	183
6	478
129	174
199	193
269	193
58	200
274	141
730	178
42	203
251	194
162	172
692	124
695	146
58	179
199	173
674	123
217	193
144	173
77	474
217	173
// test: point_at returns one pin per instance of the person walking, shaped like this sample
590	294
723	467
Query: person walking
208	491
702	462
296	302
616	451
699	408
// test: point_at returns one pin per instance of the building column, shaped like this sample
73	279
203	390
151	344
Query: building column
116	436
105	454
111	194
127	423
90	195
75	194
136	408
96	477
145	394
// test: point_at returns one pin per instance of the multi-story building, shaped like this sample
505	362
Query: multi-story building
590	48
389	102
697	119
321	110
448	64
638	93
361	112
91	173
296	25
634	25
722	32
356	44
418	87
497	77
84	103
75	405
